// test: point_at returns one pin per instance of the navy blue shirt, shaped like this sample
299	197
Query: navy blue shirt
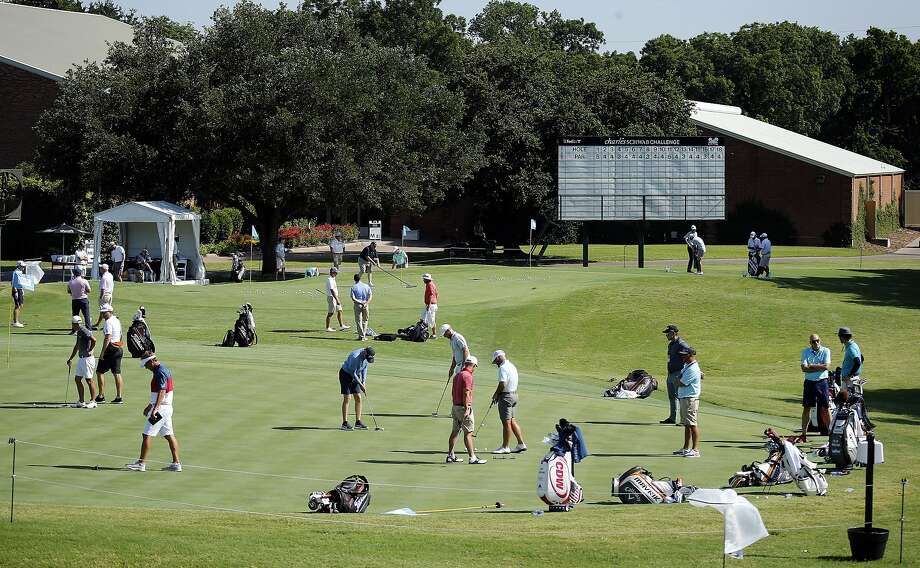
675	361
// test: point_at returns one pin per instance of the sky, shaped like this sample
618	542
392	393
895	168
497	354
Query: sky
628	25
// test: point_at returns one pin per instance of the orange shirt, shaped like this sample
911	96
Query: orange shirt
431	293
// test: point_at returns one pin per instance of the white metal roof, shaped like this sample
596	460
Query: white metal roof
729	121
49	42
146	211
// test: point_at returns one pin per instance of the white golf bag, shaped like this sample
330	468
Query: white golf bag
637	486
809	480
556	484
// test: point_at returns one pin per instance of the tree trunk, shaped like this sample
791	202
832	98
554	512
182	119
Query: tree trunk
268	223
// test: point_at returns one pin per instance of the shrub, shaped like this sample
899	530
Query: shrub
310	235
888	219
858	228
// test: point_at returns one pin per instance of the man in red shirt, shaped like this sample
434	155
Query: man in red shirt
430	313
462	411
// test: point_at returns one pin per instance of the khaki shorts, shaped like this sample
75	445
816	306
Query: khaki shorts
279	263
105	298
461	422
333	306
689	408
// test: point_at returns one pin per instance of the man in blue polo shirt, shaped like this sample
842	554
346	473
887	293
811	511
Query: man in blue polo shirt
816	360
361	296
352	380
852	357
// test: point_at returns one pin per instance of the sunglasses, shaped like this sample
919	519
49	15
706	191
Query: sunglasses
814	341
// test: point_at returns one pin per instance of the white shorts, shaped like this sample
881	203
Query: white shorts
365	266
163	427
105	298
86	367
429	313
333	307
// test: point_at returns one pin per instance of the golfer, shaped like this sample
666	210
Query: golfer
333	301
766	250
361	296
852	358
688	393
688	238
18	292
699	250
400	258
507	398
337	249
159	414
280	253
353	382
460	351
753	247
111	354
367	260
816	360
86	364
79	289
676	344
462	412
118	260
430	312
106	289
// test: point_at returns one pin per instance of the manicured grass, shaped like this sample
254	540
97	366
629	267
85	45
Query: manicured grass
272	411
614	253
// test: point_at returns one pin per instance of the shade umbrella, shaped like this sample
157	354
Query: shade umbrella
63	229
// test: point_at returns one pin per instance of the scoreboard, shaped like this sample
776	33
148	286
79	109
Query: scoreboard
619	179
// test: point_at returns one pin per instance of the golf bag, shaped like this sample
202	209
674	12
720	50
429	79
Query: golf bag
769	472
844	437
556	484
637	486
417	332
637	384
138	337
237	268
243	333
753	263
353	495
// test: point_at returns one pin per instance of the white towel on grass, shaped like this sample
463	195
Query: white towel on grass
743	525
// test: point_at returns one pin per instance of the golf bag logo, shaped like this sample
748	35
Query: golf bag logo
560	485
554	480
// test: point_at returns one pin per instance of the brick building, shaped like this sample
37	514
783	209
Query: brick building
37	48
816	185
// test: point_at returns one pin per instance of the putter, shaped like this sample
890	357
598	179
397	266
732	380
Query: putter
377	427
67	389
438	409
407	285
496	505
484	419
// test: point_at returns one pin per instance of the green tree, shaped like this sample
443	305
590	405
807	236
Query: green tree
68	5
507	19
690	65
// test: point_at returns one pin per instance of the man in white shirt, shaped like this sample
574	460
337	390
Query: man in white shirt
507	398
460	351
699	249
333	300
337	249
118	260
106	289
112	352
280	253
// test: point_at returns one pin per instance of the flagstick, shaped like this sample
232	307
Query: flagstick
251	260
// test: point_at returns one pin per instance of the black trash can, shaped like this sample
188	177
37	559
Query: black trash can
867	544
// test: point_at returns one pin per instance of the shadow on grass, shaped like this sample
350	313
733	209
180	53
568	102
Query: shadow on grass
406	415
419	452
668	455
79	467
400	462
32	405
894	401
877	287
619	423
294	428
297	330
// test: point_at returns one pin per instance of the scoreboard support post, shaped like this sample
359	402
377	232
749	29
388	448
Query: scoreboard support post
584	244
642	236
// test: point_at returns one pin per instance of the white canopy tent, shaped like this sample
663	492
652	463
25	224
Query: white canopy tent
158	226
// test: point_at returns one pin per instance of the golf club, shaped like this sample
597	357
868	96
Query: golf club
438	409
67	388
377	427
407	285
483	419
496	505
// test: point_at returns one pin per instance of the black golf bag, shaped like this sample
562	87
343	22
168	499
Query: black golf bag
556	484
638	381
844	437
353	495
637	486
237	268
243	333
753	263
417	332
138	336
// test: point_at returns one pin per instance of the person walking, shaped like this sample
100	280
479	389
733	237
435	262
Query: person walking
353	382
852	358
699	250
688	393
18	287
460	350
688	238
506	395
361	296
118	260
430	312
815	362
766	250
106	290
462	412
337	249
400	258
86	364
367	260
333	301
676	344
111	354
280	254
158	413
753	247
79	289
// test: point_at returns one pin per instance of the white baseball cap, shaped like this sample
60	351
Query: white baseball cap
106	308
444	328
426	276
471	360
146	360
753	234
692	227
104	266
20	264
76	319
497	354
